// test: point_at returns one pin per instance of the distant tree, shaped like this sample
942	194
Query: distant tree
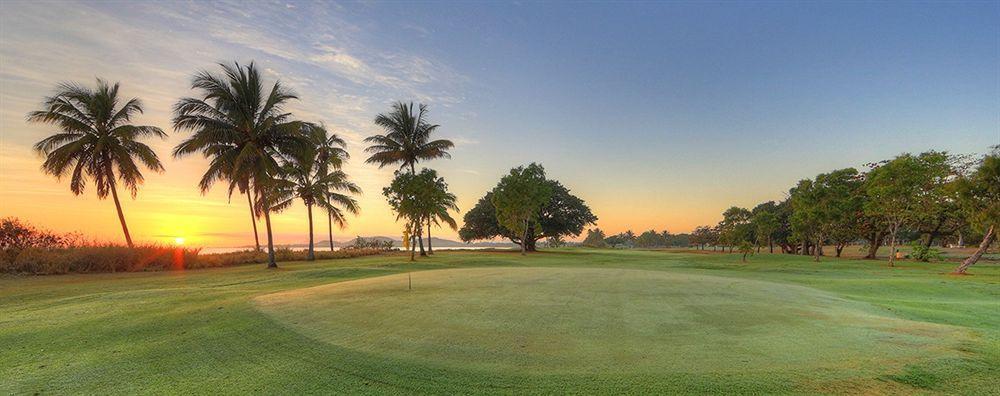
735	227
555	241
565	215
901	189
746	248
650	239
594	239
764	218
97	139
701	236
979	196
519	198
827	208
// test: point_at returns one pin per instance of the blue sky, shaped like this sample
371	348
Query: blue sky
658	114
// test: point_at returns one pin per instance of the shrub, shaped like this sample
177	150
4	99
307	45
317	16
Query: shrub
27	250
920	252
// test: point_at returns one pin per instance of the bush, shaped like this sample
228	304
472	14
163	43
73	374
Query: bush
920	252
372	243
27	250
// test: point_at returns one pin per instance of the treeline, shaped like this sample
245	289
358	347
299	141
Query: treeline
927	199
649	239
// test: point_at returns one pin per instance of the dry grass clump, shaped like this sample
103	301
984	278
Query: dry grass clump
25	249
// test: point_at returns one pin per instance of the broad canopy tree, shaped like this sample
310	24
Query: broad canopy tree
563	214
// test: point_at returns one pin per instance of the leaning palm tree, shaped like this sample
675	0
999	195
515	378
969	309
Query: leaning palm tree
97	139
303	178
406	141
331	154
243	130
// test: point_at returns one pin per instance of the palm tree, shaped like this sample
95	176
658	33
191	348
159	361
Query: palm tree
331	154
440	202
97	139
406	141
242	129
303	176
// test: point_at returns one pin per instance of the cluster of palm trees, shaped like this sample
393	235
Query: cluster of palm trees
243	129
423	199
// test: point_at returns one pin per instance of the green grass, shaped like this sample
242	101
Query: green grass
576	321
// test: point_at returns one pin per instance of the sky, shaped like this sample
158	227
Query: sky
658	114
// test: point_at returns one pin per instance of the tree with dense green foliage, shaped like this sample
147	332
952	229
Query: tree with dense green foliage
406	141
595	239
979	196
745	248
900	190
565	215
97	140
419	198
825	208
519	198
735	227
244	131
304	175
764	218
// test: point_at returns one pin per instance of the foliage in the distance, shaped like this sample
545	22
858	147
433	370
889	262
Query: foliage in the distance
369	243
564	215
595	239
555	241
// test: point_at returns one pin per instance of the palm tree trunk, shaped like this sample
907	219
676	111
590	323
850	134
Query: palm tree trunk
413	243
118	205
253	220
329	218
311	256
271	263
987	240
430	250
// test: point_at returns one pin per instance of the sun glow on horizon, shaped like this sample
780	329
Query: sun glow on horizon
179	241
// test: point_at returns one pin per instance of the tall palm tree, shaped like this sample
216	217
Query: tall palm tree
406	141
303	177
244	131
97	139
331	154
407	138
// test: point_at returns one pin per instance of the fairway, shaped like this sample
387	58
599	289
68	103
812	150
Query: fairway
565	321
577	321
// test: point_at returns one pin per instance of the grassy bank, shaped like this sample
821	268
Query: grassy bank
566	321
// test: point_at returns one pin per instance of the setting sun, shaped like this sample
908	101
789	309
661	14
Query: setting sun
178	241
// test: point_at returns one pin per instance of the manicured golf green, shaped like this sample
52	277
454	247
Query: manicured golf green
583	321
